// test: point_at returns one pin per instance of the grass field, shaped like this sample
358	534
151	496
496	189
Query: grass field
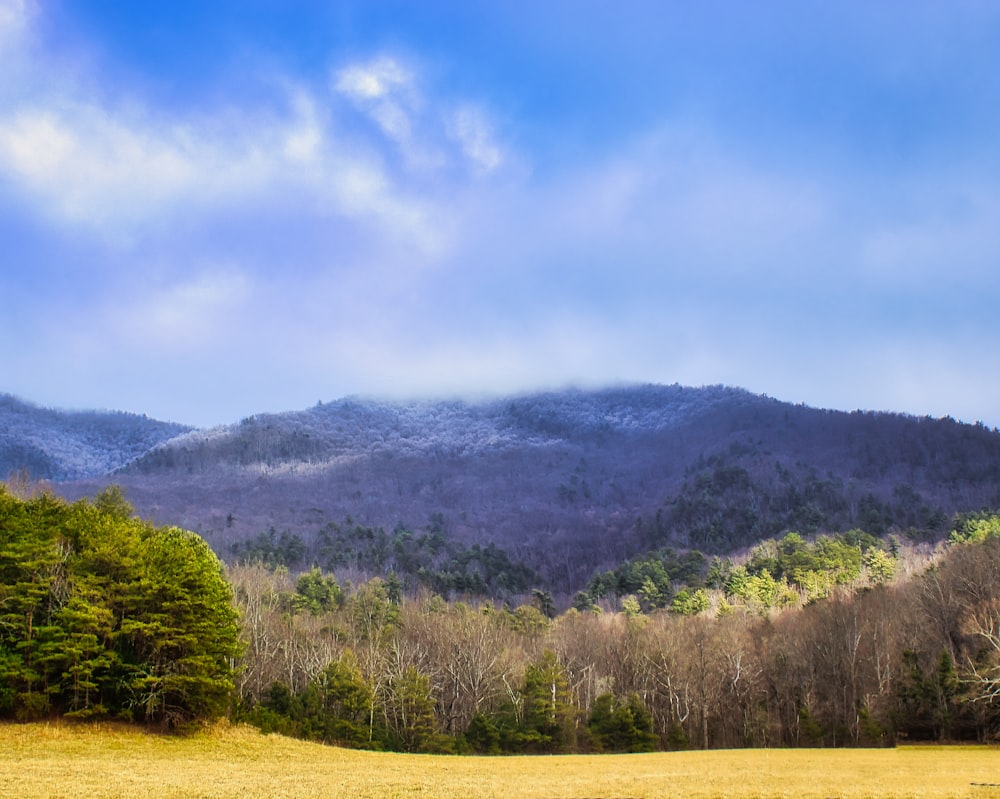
70	761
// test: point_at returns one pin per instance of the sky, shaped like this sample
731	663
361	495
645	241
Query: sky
211	210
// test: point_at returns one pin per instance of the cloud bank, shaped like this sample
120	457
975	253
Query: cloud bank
375	225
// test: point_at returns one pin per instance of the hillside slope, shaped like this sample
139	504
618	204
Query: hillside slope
566	481
65	445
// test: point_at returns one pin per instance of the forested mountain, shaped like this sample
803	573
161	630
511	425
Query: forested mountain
741	572
500	496
60	445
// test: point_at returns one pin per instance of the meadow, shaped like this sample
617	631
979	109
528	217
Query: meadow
45	761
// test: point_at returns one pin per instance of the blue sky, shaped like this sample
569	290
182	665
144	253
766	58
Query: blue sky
214	209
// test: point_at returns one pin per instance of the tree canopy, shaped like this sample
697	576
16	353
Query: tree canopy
102	614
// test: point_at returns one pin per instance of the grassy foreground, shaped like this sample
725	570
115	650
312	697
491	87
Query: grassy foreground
69	761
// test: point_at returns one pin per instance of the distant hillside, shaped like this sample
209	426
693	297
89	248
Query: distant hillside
61	445
559	483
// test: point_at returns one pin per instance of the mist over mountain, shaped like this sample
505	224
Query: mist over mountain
545	488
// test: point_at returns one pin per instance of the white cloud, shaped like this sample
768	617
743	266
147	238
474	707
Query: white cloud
425	131
84	158
89	167
470	126
374	80
386	92
116	172
304	135
119	168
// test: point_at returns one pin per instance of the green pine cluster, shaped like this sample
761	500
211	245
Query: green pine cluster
103	615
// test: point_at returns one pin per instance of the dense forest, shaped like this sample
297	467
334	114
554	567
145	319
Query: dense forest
50	444
543	491
839	641
829	640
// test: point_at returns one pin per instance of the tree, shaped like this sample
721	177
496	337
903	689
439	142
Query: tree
410	710
179	637
688	603
318	593
375	620
617	726
102	614
548	722
345	699
543	601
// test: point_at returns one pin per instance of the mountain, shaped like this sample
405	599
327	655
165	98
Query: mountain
548	488
60	445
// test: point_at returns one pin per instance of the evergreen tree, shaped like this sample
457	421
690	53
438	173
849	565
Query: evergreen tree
621	726
548	722
102	614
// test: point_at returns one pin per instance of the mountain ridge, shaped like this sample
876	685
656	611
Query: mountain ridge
566	481
51	444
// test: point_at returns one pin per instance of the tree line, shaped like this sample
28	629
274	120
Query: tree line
819	642
779	655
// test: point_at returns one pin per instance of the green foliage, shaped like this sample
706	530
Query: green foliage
621	726
582	601
929	694
688	603
810	730
338	706
526	619
334	708
178	630
881	566
372	610
435	677
547	714
651	578
544	602
102	614
631	606
760	591
975	528
776	566
272	549
317	593
483	734
410	711
870	730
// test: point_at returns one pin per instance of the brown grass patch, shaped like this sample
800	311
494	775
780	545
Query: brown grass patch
44	761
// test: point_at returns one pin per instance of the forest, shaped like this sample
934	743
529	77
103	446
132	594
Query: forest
828	640
559	485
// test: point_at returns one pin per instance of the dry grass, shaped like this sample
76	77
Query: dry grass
70	761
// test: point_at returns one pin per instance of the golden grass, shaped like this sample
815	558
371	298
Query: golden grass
45	761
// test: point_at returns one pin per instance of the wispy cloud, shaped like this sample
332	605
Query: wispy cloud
113	166
422	128
470	126
381	80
